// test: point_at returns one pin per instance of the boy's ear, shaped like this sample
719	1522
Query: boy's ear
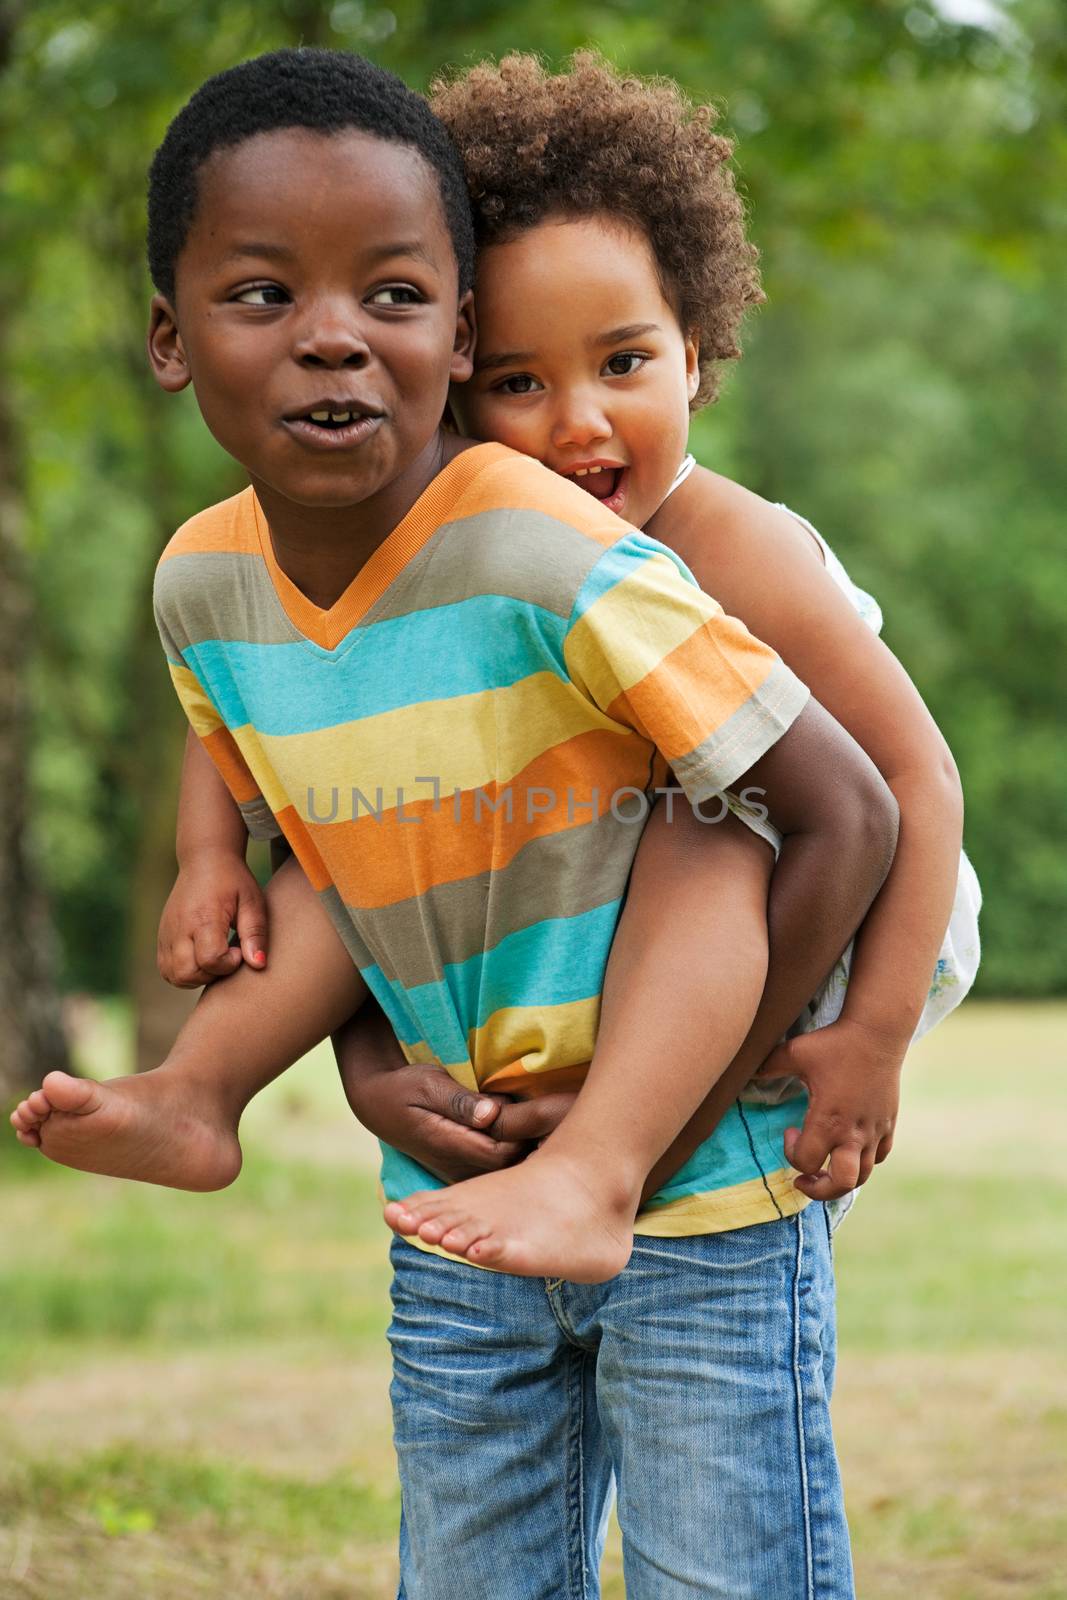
466	336
166	353
692	365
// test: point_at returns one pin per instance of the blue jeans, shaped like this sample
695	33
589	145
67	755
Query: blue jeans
698	1381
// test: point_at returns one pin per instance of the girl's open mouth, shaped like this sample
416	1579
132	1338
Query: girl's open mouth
606	484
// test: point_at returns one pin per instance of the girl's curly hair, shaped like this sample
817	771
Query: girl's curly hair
591	141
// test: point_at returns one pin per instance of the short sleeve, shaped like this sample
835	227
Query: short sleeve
659	656
209	726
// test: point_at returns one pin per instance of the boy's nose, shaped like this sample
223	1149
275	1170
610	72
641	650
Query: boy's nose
332	340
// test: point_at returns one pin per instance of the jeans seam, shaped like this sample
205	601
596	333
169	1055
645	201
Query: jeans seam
799	1393
576	1564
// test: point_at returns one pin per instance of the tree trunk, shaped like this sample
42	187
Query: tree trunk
31	1032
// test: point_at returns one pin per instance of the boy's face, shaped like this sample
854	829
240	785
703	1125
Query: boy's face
318	276
581	361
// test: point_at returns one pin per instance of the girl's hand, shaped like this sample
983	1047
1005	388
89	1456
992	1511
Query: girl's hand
214	892
852	1075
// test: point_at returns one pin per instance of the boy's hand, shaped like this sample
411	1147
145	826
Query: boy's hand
450	1131
213	893
852	1075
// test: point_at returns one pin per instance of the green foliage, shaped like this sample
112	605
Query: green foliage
906	175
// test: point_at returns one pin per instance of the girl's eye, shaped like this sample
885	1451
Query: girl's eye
396	294
262	294
518	383
625	363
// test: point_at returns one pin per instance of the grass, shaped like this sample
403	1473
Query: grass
194	1394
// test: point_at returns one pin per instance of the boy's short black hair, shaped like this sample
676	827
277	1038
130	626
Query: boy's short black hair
326	91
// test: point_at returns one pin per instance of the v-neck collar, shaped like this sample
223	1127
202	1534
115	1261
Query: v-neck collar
326	628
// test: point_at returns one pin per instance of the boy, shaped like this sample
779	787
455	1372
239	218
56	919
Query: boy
390	610
345	632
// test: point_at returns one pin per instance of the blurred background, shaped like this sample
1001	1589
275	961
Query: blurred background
213	1368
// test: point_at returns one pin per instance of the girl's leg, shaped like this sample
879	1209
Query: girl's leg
504	1477
684	979
713	1387
177	1124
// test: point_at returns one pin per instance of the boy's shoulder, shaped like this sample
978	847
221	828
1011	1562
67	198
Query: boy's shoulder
516	485
516	528
229	527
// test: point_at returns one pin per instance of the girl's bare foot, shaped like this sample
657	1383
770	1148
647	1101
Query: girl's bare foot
148	1127
542	1218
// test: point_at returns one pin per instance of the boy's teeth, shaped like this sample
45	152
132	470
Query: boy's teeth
331	416
584	472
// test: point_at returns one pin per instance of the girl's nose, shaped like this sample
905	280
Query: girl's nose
581	422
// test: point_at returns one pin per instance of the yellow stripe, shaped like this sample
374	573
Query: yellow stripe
628	631
198	708
717	1210
467	743
542	1038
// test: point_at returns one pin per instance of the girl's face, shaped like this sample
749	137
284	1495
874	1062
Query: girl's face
581	362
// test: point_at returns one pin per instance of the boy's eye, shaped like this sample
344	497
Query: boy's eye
518	383
396	294
625	363
262	294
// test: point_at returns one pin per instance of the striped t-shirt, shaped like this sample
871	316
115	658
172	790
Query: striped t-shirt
460	751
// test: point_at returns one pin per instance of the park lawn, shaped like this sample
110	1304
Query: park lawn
194	1391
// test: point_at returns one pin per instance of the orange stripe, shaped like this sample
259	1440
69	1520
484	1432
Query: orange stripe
223	751
514	1079
693	691
303	844
375	863
229	526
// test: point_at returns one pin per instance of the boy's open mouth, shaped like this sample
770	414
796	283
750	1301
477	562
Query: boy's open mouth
333	424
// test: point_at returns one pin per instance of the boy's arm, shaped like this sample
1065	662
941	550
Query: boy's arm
215	890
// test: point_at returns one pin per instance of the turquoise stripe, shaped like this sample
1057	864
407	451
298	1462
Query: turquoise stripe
727	1157
552	963
392	1003
618	563
405	661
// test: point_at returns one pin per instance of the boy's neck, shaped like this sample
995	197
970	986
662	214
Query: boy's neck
322	548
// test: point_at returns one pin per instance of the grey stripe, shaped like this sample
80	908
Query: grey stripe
259	819
562	875
754	727
220	594
525	554
341	918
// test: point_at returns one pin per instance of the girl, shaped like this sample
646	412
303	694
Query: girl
613	265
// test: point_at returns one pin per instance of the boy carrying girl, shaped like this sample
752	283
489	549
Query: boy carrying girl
452	682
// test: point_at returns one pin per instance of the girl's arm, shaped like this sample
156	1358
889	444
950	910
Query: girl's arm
763	566
214	891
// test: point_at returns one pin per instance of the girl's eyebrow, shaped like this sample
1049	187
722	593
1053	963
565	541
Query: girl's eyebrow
517	358
632	330
509	358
